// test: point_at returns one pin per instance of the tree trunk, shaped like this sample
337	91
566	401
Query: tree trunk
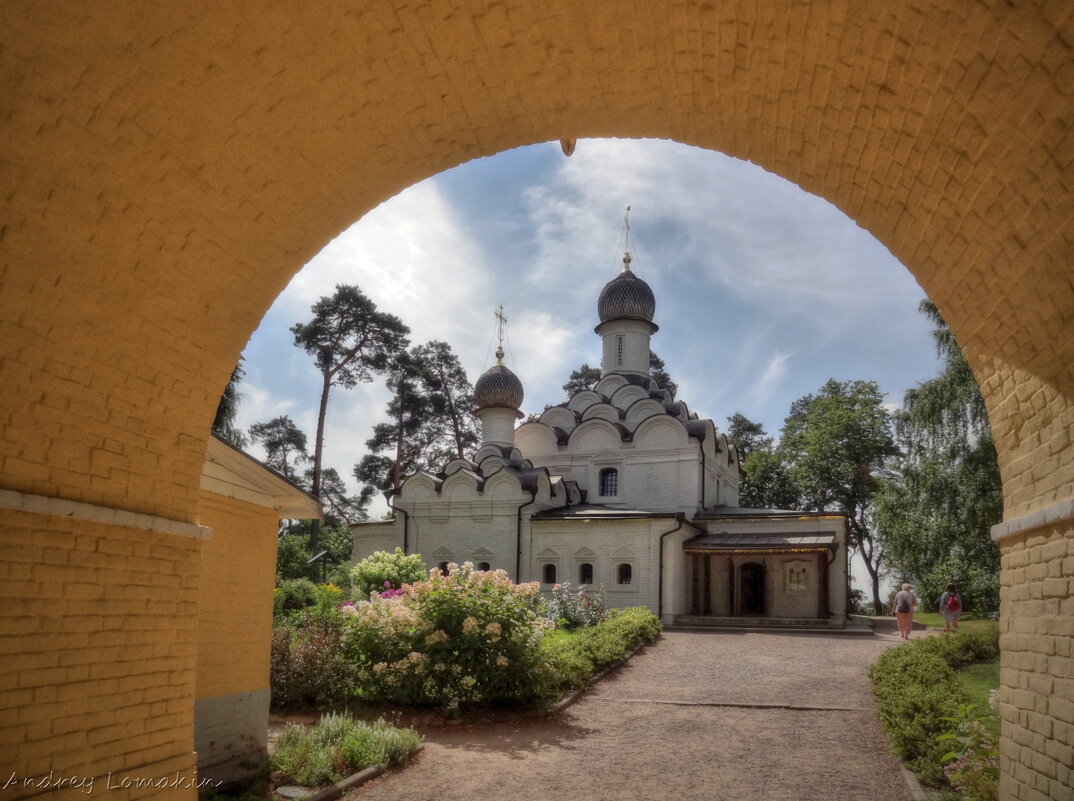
394	476
318	452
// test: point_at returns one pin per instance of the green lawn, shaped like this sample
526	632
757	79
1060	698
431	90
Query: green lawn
934	621
978	680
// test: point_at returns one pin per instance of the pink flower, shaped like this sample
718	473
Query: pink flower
556	586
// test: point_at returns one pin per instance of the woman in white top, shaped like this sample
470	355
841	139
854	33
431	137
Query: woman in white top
903	608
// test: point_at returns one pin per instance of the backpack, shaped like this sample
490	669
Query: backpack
953	604
903	606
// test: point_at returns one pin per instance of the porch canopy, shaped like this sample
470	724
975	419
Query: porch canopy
804	542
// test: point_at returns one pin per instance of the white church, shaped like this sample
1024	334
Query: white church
620	487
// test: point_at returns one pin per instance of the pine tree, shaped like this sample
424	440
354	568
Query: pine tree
349	341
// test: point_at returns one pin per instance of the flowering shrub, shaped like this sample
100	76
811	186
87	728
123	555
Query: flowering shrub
467	636
572	608
306	666
384	571
973	765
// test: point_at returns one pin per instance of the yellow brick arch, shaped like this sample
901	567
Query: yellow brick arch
168	167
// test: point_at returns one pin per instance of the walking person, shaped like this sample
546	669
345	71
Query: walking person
902	606
950	609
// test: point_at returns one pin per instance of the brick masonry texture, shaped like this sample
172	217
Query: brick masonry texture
168	167
98	630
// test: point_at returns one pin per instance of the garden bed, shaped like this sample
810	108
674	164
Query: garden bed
937	726
469	641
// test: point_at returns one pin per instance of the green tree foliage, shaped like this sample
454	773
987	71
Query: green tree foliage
765	478
398	447
228	408
935	516
747	436
340	508
285	446
767	483
456	433
660	375
838	444
349	341
585	377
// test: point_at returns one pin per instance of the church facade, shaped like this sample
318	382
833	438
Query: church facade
621	487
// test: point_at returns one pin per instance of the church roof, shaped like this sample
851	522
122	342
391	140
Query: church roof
591	511
754	543
742	512
498	386
626	297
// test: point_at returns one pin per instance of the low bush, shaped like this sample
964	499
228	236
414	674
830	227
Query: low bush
578	655
973	763
918	695
306	666
383	570
337	746
967	646
467	636
571	608
293	595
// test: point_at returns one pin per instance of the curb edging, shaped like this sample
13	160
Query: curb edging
337	789
574	696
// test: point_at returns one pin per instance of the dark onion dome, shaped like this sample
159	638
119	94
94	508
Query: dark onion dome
498	386
626	296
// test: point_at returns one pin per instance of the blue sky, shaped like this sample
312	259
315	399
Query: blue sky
763	291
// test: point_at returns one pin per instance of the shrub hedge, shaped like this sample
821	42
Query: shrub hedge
577	656
918	695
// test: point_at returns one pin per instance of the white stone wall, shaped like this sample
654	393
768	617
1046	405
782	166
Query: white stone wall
635	346
606	544
383	535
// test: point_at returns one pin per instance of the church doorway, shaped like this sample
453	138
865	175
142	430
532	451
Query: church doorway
751	580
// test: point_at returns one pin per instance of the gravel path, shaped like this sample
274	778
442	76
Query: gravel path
699	715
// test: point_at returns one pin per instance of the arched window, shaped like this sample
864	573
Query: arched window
549	572
585	573
609	482
483	566
624	574
443	568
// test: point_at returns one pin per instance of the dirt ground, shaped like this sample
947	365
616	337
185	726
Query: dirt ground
721	716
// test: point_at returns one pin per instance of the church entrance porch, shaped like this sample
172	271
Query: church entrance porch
759	579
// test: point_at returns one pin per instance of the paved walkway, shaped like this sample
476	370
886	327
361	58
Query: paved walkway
699	715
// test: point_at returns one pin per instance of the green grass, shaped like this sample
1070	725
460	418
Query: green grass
978	680
935	621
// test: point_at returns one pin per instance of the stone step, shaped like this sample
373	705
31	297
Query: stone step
770	624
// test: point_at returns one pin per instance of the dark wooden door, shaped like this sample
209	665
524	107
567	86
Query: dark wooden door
751	589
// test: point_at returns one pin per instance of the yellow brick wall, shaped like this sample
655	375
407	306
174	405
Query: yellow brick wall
98	628
238	572
1037	665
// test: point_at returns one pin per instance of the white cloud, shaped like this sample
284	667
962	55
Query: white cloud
711	220
415	259
763	292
